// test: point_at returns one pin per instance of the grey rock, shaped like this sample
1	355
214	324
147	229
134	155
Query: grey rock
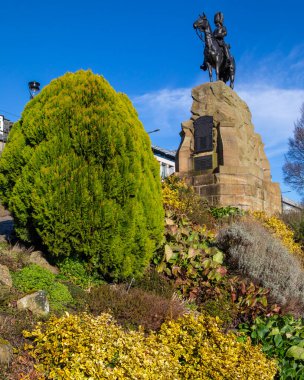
6	352
5	277
37	258
36	302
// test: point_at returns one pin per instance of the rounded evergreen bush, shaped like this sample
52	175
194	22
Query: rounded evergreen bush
80	178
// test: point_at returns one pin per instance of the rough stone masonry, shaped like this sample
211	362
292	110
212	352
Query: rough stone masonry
222	156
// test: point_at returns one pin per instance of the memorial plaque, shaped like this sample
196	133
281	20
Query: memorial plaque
203	139
203	163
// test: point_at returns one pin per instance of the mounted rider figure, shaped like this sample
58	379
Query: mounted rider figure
219	34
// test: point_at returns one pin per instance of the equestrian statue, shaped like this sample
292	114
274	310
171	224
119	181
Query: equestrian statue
217	52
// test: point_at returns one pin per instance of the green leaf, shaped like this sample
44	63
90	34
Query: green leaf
217	276
274	331
262	331
207	263
263	301
278	340
161	267
295	352
218	257
301	343
267	347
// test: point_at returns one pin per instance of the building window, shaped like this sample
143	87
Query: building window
163	170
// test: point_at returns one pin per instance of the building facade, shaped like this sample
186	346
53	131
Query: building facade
166	159
5	127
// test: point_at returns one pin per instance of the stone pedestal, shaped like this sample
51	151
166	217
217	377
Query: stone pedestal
226	161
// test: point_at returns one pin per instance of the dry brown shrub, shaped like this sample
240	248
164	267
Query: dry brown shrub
155	282
21	368
12	323
15	256
135	307
294	306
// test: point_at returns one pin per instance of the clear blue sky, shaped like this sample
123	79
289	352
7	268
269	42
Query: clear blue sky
149	50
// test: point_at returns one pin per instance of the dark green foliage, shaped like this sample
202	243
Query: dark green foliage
281	337
60	297
134	307
80	178
76	272
222	307
154	282
33	278
79	297
226	212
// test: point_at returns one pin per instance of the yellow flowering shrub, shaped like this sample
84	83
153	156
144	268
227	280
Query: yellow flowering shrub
193	347
182	199
280	230
86	347
205	352
171	189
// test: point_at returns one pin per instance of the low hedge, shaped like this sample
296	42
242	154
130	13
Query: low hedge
192	347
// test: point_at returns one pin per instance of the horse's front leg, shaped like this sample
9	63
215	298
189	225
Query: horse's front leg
232	74
210	71
217	69
232	81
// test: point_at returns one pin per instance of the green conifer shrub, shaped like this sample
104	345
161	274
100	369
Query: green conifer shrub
79	177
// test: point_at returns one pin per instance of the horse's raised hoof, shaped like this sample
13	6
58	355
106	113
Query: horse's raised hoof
203	67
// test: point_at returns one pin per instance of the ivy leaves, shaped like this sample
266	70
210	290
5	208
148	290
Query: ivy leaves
282	337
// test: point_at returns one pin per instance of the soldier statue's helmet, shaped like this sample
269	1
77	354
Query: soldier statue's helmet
219	18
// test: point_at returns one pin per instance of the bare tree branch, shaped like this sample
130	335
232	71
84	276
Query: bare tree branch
293	168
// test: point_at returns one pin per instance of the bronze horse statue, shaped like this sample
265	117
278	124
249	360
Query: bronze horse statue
214	54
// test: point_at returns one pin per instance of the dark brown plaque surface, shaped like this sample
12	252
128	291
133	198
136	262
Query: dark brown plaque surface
203	163
203	140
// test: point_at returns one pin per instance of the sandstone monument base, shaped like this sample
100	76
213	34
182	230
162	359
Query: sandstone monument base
222	156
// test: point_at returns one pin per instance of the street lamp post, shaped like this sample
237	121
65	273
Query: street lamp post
154	130
34	88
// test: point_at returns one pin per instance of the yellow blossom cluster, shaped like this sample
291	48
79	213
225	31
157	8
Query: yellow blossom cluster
181	199
280	230
193	347
171	189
